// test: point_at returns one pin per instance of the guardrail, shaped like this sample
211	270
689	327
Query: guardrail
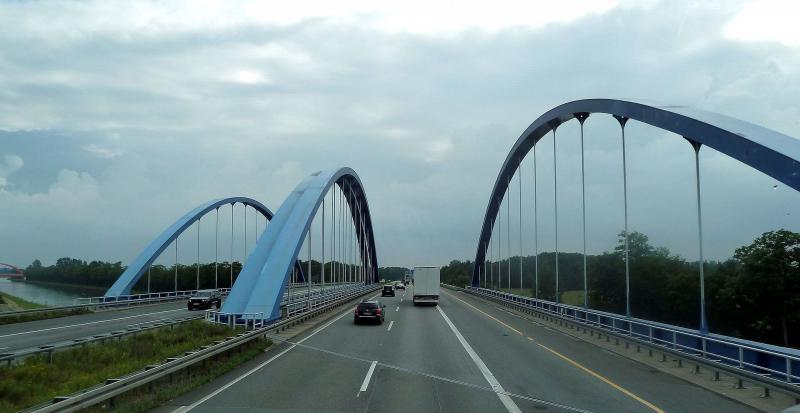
765	366
291	305
116	386
130	329
317	298
98	303
140	297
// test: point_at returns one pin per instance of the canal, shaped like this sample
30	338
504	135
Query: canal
45	294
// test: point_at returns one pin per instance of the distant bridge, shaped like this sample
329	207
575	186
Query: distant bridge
15	274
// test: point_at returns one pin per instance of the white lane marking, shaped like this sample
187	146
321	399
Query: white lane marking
397	309
88	323
184	409
391	323
3	348
368	377
487	374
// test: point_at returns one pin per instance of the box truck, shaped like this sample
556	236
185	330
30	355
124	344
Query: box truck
425	285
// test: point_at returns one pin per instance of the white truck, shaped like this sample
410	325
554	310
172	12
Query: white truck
425	285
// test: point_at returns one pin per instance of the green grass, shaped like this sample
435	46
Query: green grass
573	297
16	303
147	398
35	381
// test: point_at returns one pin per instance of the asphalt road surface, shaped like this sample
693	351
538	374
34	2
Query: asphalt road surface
466	355
55	330
19	336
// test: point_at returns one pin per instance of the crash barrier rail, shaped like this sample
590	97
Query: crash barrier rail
740	358
117	386
10	357
143	296
295	302
316	299
98	303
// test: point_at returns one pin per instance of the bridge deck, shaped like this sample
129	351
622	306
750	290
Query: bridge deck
424	367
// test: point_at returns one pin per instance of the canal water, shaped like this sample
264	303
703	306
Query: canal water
43	294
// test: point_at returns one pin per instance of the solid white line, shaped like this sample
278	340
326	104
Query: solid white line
371	370
391	323
487	374
88	323
184	409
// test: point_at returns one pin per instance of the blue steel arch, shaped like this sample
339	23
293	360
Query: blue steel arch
139	266
262	281
768	151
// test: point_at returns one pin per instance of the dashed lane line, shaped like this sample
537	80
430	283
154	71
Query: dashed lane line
367	378
184	409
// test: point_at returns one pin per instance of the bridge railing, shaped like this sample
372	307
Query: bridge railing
765	362
143	296
317	298
120	385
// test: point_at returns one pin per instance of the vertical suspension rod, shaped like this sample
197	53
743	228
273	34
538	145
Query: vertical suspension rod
555	203
535	227
582	118
622	121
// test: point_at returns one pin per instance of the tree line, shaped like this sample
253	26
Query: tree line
754	295
80	273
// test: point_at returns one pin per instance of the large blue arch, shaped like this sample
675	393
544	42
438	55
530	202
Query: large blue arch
139	266
261	284
768	151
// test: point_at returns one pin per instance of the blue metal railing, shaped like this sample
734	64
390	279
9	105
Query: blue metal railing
778	363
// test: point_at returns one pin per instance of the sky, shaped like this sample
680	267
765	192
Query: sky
116	118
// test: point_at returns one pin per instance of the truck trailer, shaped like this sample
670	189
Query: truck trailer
426	285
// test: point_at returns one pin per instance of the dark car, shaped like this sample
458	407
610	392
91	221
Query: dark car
388	291
369	310
205	299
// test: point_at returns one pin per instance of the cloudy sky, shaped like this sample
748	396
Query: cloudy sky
118	117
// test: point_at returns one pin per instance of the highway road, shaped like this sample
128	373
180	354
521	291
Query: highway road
19	336
466	355
15	337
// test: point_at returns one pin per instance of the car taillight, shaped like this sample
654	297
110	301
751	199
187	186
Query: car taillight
379	312
356	311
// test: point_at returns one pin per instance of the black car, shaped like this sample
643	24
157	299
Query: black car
205	299
369	310
388	291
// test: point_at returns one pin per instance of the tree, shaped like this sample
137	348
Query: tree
770	278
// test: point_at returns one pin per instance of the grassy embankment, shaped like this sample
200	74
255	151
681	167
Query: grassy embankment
36	381
9	302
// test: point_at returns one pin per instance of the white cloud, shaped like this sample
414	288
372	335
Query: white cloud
166	105
249	77
767	20
101	152
10	164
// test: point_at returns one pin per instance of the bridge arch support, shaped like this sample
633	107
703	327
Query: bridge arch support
139	266
774	154
261	283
